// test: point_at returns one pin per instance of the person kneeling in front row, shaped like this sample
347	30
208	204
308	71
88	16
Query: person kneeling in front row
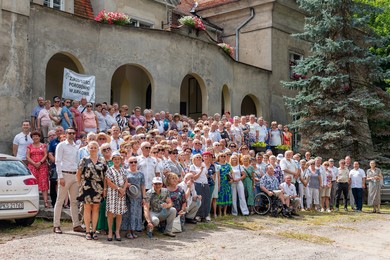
290	195
193	200
158	206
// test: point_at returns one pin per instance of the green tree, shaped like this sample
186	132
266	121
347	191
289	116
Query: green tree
331	108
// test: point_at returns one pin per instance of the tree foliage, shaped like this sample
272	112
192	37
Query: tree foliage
331	108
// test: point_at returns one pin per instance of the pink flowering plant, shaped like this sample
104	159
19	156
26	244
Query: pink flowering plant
192	21
227	48
112	18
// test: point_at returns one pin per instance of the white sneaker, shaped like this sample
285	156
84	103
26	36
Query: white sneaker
197	218
328	210
208	219
322	210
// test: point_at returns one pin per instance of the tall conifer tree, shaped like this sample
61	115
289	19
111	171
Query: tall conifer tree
337	92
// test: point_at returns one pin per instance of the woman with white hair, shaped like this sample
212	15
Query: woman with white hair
238	174
150	124
374	177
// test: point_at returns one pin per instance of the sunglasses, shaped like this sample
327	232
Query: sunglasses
56	101
133	162
102	139
154	152
174	153
222	156
229	154
71	133
147	147
107	149
233	146
25	138
158	184
89	106
161	150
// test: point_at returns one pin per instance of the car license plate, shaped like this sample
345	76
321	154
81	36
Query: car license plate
11	205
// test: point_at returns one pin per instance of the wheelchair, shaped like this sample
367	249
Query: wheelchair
265	204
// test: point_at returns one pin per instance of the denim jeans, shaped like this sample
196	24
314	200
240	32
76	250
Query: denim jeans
358	196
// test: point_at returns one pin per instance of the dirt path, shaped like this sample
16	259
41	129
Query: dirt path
310	237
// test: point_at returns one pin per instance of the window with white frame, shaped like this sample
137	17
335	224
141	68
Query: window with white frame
294	59
55	4
139	23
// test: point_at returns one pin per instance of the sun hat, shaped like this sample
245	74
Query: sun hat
157	180
132	191
105	135
280	157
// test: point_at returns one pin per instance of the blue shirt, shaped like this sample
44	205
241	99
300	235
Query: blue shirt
52	149
269	182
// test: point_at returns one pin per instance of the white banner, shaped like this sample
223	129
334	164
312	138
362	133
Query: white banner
76	86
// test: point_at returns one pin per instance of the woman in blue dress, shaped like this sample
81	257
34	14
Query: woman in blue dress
225	192
132	219
66	115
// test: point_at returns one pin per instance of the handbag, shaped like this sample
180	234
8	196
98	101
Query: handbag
176	228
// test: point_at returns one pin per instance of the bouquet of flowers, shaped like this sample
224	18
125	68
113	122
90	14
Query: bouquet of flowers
193	22
227	48
112	18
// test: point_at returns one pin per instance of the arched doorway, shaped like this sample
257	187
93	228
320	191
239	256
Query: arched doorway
193	98
225	100
55	72
250	105
132	85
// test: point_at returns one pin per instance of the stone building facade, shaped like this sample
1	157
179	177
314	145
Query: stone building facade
152	63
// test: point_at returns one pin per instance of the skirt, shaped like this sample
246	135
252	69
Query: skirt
204	191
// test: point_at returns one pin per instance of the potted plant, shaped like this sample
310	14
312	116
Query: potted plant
112	18
227	48
259	147
192	22
281	149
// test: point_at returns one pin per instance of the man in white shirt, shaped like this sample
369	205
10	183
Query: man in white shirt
66	164
159	123
290	194
214	135
83	105
193	199
116	140
21	141
357	180
263	132
254	127
147	165
289	167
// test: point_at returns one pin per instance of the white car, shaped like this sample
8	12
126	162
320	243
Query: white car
19	195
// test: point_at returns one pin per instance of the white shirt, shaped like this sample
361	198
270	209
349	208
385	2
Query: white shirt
148	167
215	136
115	144
335	172
262	133
288	165
203	176
22	143
160	125
356	177
81	108
254	128
66	157
275	138
288	190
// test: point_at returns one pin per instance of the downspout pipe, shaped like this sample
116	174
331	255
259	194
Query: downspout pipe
239	28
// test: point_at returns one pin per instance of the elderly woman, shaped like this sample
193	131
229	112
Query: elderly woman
246	131
201	186
90	176
110	117
177	196
225	191
44	121
36	156
77	118
90	120
100	113
122	120
172	164
249	182
116	195
150	124
326	187
278	173
238	174
132	219
314	183
374	177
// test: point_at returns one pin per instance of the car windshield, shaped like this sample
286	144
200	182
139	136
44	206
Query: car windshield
386	180
13	168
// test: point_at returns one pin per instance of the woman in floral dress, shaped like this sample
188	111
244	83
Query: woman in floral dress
374	177
36	157
248	182
132	219
90	175
177	196
225	191
116	195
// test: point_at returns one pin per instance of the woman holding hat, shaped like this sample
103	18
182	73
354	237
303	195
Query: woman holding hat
116	195
132	219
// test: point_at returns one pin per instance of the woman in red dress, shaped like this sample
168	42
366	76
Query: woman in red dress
36	157
287	136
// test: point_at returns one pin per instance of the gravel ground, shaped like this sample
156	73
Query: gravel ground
346	236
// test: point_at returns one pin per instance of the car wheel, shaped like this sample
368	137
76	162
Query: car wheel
25	221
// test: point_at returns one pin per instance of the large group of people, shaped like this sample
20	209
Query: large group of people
131	172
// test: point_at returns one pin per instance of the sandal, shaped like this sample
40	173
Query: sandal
134	235
47	205
95	236
88	236
129	236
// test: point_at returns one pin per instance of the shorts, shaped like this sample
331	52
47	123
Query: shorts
325	192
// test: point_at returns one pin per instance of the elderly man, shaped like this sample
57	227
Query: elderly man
83	105
116	139
159	206
263	131
53	171
357	180
334	176
289	166
290	194
193	199
269	184
66	163
147	165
